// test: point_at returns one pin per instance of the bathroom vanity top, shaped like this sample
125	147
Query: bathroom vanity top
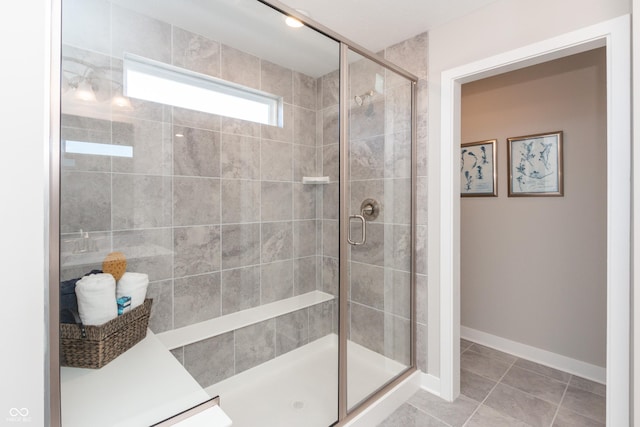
141	387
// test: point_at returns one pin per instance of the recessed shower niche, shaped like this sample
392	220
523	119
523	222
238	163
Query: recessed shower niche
272	286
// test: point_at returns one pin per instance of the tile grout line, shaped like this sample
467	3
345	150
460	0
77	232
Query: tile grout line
491	391
553	420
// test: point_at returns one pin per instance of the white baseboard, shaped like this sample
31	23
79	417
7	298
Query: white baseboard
544	357
430	383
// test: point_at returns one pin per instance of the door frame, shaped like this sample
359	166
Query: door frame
615	35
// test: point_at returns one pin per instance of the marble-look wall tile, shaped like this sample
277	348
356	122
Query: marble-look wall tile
240	201
85	201
421	346
151	144
397	155
277	241
84	162
320	320
304	162
276	201
367	120
304	91
330	125
330	238
304	201
240	245
197	250
330	200
240	157
331	162
196	299
195	52
161	318
276	80
373	251
397	292
367	327
367	158
277	133
330	89
330	275
422	189
210	361
410	54
277	281
240	289
196	152
240	67
292	331
276	159
422	292
398	209
139	34
367	284
371	189
195	119
364	75
240	127
304	238
87	24
196	201
304	123
397	339
397	246
255	344
304	275
140	109
421	249
148	251
398	108
141	201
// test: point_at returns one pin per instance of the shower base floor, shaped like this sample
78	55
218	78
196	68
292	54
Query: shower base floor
300	388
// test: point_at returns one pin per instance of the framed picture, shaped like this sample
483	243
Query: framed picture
535	165
478	169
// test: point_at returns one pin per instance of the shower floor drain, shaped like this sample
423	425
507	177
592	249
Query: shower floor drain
298	404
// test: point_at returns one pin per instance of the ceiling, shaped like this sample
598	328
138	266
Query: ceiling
376	24
252	27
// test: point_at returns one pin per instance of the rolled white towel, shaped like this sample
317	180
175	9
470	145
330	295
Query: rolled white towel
96	295
133	285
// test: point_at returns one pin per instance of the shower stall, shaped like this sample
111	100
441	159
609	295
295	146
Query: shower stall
263	176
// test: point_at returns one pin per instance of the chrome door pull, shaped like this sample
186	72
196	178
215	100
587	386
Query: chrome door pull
364	230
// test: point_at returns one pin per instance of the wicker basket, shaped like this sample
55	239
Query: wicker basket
105	342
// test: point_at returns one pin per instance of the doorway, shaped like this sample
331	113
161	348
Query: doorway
613	34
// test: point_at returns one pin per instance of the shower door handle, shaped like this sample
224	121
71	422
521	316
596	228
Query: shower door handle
364	230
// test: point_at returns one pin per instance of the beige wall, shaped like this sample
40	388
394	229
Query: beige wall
497	28
533	270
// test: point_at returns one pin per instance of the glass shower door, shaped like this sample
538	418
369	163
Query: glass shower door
379	229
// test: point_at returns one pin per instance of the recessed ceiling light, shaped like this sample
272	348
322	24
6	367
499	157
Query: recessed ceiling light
293	22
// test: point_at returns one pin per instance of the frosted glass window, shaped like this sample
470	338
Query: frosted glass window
165	84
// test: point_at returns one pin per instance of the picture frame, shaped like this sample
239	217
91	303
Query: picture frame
536	165
478	174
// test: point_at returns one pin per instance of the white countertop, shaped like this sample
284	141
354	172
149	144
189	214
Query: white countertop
141	387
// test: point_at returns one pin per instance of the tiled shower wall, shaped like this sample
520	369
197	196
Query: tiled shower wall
217	217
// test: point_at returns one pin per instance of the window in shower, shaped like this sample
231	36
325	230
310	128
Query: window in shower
165	84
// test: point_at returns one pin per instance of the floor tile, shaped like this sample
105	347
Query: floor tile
454	413
538	385
544	370
521	406
588	385
483	365
409	416
489	417
464	344
474	386
585	403
492	353
567	418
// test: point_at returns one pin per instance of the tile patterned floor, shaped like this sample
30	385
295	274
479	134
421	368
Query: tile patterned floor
501	390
